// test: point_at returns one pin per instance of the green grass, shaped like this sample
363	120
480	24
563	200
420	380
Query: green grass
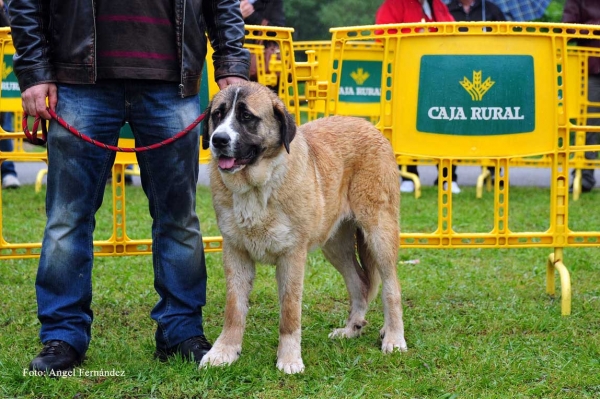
478	322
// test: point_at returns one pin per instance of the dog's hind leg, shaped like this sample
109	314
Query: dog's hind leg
381	245
361	285
239	275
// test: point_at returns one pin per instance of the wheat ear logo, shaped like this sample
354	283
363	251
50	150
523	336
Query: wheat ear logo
476	88
360	76
6	70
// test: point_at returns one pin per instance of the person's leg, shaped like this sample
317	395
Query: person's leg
445	173
588	181
455	187
408	185
77	173
169	176
7	167
412	169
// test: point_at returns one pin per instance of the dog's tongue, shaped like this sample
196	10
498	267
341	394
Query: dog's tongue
226	162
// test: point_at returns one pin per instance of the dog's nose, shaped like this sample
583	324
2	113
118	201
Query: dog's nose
220	140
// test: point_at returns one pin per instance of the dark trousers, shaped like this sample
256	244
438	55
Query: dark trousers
413	169
588	181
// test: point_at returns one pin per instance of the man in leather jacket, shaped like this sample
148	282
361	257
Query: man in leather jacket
588	12
100	64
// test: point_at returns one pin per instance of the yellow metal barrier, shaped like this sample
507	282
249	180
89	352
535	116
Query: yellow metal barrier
497	92
358	78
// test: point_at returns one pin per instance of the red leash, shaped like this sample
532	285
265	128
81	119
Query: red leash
33	138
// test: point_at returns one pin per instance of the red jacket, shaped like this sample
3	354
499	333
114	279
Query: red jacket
407	11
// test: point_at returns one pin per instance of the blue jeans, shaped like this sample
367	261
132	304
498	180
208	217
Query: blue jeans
77	174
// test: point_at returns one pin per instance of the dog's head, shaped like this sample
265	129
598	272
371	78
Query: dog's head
246	122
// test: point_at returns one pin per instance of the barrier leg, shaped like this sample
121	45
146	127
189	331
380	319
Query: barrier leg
39	178
555	263
577	185
406	175
481	179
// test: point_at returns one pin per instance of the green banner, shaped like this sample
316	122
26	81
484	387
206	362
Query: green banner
476	95
10	85
360	82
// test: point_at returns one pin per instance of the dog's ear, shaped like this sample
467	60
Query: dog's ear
205	132
287	125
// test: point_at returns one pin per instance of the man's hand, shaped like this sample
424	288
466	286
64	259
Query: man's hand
34	99
246	8
223	83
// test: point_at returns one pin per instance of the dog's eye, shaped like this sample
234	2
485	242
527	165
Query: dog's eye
217	114
246	116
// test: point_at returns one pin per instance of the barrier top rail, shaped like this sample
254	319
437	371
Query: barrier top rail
527	103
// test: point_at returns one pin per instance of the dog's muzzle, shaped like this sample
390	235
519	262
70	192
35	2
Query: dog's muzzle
228	161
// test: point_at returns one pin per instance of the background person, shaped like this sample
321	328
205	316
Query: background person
100	64
263	12
266	13
588	12
407	11
472	10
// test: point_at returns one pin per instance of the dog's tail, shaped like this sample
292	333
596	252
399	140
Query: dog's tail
368	265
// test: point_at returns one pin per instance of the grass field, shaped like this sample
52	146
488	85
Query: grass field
478	322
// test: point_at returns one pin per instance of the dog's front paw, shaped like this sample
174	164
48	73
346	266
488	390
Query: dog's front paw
392	341
221	355
291	366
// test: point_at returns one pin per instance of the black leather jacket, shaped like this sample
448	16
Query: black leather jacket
55	41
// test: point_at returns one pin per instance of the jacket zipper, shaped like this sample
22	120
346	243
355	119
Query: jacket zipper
182	39
95	41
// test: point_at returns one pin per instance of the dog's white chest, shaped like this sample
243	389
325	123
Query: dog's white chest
266	233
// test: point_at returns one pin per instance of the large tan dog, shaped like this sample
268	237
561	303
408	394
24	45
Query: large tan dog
279	192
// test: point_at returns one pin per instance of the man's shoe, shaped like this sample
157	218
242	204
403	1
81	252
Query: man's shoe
407	186
11	181
56	356
192	349
455	188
